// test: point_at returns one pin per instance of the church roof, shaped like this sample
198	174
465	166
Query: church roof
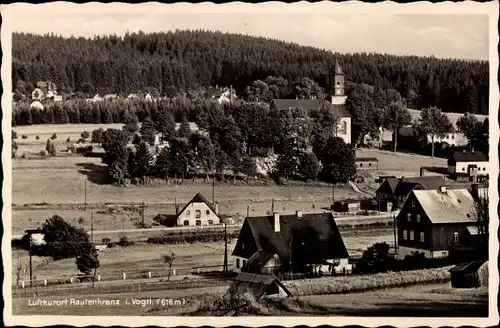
338	69
309	105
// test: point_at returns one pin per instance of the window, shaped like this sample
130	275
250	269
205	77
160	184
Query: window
408	217
369	164
338	83
244	262
207	212
344	128
452	136
360	164
242	245
422	237
186	222
198	214
237	263
188	213
210	222
463	168
412	235
198	222
484	168
418	217
405	234
455	237
412	203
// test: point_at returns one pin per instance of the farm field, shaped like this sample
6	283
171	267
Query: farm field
145	257
400	164
420	301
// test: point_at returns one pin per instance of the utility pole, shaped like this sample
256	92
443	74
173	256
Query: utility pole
333	194
290	255
395	234
92	227
272	206
248	211
142	212
225	248
31	266
85	197
213	190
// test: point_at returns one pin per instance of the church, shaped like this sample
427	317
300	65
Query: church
338	100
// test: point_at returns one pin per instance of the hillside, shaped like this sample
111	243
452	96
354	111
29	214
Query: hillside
169	62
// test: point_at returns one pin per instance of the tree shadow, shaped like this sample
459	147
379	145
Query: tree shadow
95	173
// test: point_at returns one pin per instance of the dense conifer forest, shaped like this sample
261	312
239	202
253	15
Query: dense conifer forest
185	60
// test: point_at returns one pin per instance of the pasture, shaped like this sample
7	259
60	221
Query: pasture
148	257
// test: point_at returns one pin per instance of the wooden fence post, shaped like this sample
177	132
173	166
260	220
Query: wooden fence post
124	276
45	282
22	284
149	274
71	280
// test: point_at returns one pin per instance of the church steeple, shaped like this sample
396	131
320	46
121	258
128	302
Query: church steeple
338	81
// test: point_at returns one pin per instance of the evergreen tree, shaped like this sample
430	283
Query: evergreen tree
144	161
338	161
309	166
148	131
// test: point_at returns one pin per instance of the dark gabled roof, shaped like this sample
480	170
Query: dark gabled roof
468	267
476	156
427	182
198	198
312	237
257	261
309	105
348	201
254	284
390	182
366	159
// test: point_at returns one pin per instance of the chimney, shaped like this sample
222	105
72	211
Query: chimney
276	222
217	208
402	179
298	214
176	209
442	189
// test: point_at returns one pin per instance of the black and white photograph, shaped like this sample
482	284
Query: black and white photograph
272	162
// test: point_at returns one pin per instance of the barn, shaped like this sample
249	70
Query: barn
470	275
347	206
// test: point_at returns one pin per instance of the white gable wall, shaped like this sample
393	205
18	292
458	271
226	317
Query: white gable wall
197	212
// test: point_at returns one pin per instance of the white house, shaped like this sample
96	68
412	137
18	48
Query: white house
36	104
468	165
148	97
37	94
198	212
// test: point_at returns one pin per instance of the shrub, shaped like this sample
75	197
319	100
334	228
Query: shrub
14	135
42	154
142	225
68	140
54	136
81	140
125	242
106	240
37	137
24	136
111	245
85	135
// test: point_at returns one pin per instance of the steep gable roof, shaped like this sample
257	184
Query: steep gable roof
198	198
452	206
309	105
313	238
427	182
388	183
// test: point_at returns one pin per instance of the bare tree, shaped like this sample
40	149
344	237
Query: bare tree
169	259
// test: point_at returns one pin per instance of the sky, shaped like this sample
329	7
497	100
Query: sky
463	36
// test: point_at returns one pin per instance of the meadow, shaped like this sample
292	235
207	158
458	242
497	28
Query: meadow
148	257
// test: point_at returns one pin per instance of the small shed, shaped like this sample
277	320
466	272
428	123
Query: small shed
367	163
347	206
470	275
258	285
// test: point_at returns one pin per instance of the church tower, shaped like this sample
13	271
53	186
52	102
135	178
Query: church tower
338	97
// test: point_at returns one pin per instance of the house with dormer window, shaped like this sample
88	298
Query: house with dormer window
433	221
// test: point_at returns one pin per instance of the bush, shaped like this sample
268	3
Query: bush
142	225
106	240
24	136
14	135
42	154
124	242
54	136
111	245
37	137
81	140
85	135
183	237
68	140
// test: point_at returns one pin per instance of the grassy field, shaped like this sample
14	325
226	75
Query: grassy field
145	257
400	164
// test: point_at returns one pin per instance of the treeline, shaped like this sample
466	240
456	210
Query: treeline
115	111
185	60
